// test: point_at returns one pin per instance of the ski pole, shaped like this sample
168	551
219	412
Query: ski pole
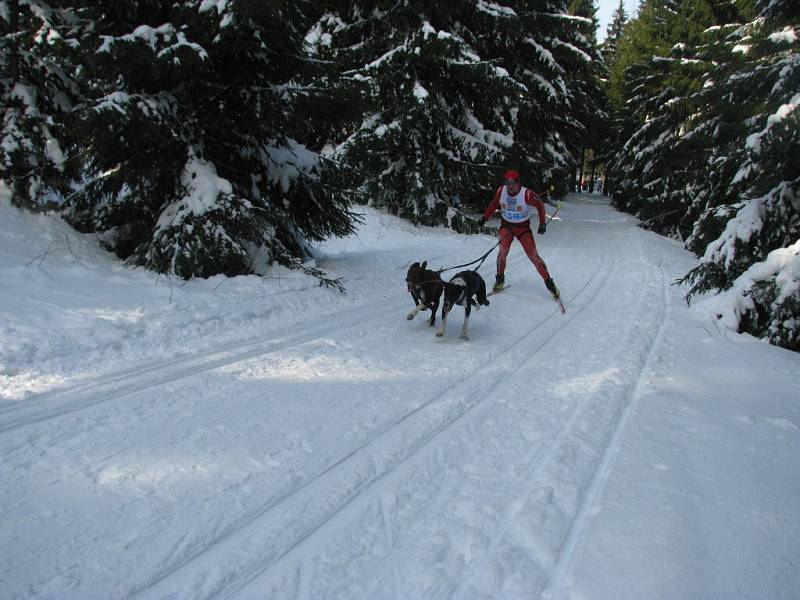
550	218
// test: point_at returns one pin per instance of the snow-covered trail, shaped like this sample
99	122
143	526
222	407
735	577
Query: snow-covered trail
353	454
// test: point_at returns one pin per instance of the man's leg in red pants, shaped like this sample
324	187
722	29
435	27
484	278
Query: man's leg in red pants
529	245
506	237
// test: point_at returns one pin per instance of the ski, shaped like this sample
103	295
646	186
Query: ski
505	287
556	300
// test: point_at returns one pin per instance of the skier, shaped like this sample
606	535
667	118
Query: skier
516	204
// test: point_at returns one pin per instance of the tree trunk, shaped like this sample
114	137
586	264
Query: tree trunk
580	175
13	8
13	40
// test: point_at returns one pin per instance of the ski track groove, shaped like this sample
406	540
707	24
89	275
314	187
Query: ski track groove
539	463
470	411
227	537
555	584
206	364
541	460
124	382
127	382
143	369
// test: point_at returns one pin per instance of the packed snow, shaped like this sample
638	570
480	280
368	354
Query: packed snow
270	438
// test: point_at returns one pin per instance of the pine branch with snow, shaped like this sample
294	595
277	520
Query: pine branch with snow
199	137
37	89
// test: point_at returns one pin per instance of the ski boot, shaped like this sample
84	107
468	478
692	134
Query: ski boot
551	287
499	282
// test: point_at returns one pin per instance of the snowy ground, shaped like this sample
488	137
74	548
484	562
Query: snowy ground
268	438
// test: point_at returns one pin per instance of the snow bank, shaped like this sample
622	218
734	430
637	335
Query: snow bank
71	310
782	264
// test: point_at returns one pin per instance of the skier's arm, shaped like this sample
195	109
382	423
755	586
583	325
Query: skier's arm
494	205
531	199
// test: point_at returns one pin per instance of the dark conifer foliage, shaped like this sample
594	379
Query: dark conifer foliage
614	32
711	155
36	90
216	136
748	227
198	152
456	92
614	125
591	108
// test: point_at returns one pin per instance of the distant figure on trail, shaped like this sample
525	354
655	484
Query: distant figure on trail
516	204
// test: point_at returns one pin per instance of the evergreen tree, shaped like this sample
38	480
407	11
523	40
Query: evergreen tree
36	91
661	166
609	50
197	136
711	152
590	107
611	135
455	94
748	226
614	32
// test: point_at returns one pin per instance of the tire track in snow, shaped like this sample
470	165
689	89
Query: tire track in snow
360	469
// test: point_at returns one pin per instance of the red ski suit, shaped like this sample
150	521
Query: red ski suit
520	230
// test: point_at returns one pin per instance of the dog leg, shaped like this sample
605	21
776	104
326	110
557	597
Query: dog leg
482	295
464	327
440	333
416	311
434	309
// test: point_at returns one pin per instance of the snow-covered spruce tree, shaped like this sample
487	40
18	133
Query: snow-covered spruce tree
615	122
590	105
609	49
748	229
197	136
456	93
36	91
661	168
552	53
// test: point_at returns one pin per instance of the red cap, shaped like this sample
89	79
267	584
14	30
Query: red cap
511	174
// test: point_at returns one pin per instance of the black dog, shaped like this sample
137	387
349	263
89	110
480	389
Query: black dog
466	289
426	288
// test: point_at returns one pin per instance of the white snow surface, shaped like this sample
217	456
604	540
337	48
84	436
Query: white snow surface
268	438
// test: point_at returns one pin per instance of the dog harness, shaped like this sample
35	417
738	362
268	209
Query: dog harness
463	285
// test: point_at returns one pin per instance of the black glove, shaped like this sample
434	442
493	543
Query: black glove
481	222
542	228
